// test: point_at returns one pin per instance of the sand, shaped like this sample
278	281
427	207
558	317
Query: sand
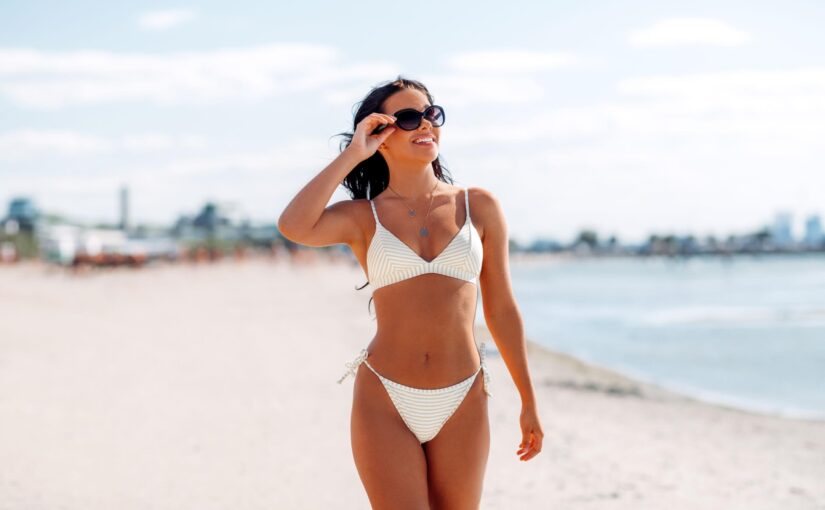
214	386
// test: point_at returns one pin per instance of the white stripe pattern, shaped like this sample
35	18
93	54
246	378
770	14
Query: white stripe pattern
423	410
390	260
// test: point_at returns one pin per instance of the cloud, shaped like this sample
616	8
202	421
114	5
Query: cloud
38	79
680	31
49	80
737	142
784	104
164	19
32	143
457	90
15	143
559	126
176	183
510	61
751	89
462	90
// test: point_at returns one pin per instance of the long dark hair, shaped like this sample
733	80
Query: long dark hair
373	175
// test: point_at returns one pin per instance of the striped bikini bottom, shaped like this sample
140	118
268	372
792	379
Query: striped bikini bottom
424	410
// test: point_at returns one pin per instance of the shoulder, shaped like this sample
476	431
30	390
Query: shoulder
486	209
360	209
483	201
357	210
354	207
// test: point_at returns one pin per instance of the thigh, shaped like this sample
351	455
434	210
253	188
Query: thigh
457	455
388	457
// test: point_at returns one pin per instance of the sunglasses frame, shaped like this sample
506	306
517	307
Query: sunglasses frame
420	115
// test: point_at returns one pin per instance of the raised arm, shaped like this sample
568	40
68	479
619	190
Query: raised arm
306	219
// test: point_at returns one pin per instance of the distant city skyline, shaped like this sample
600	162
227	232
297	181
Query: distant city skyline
782	232
629	118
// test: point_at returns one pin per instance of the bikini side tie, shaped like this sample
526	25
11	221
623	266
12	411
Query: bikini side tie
353	365
485	375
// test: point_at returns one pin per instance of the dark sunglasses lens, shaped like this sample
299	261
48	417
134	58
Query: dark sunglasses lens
435	114
408	120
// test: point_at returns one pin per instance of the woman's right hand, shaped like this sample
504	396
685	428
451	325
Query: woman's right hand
363	143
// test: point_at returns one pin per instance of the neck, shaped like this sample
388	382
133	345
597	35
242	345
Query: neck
413	182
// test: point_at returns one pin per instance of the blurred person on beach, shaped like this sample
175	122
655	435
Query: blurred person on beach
419	425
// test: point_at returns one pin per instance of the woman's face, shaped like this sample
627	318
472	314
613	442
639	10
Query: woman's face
400	146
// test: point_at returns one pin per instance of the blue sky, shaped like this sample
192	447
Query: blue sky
626	117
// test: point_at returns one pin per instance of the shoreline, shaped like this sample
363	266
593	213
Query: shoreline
575	373
587	375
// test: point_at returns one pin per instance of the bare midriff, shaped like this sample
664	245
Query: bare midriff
424	337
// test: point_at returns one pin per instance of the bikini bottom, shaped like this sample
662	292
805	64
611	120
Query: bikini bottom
424	410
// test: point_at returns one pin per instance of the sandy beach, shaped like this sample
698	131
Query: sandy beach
214	386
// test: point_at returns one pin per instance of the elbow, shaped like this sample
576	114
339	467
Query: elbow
284	228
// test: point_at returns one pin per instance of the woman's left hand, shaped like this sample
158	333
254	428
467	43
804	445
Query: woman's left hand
531	433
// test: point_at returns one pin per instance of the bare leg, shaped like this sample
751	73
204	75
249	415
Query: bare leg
457	455
389	459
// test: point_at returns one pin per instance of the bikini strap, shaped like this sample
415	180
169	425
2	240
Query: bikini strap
374	213
467	208
467	202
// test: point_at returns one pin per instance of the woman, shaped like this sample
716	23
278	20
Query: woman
419	425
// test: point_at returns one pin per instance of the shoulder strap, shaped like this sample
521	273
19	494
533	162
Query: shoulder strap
467	201
374	213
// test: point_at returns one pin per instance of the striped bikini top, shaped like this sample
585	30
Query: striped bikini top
390	260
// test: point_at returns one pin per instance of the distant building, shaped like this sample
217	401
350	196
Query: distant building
216	220
124	209
212	216
782	231
22	215
813	231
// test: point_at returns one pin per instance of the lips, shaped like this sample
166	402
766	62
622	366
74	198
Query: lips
430	140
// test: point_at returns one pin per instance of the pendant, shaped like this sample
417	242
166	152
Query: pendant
411	212
424	232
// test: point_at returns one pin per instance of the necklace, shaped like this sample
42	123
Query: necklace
423	231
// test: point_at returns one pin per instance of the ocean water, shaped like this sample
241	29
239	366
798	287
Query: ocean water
746	331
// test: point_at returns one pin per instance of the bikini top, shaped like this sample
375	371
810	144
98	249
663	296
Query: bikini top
390	260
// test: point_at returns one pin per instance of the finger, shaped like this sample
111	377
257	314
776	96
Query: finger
527	445
528	454
382	124
375	119
383	135
525	440
531	452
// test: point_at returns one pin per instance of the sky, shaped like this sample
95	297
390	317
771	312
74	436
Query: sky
626	117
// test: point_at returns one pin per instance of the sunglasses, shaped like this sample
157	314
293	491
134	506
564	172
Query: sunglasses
409	119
